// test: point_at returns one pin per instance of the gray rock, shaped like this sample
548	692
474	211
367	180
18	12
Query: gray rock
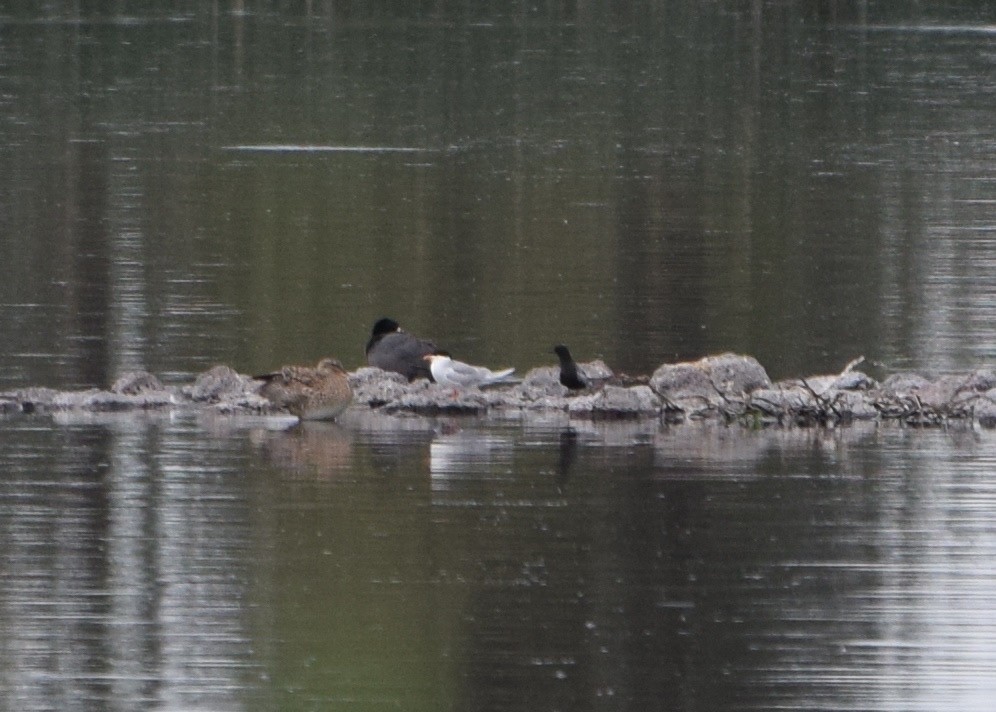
375	387
595	371
541	385
247	403
985	409
724	387
135	382
981	381
714	379
220	383
782	400
856	404
854	381
813	399
34	399
903	384
434	399
617	402
102	401
681	381
941	394
945	395
736	374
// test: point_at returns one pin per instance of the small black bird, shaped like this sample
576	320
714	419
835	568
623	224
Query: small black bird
570	376
392	349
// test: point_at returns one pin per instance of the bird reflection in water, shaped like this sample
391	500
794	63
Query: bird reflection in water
456	454
567	453
310	450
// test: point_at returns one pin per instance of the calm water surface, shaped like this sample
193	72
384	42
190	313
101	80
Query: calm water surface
197	563
187	187
253	185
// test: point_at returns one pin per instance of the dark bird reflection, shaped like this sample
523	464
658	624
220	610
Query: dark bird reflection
568	452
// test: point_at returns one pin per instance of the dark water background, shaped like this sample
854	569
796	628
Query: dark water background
645	185
183	184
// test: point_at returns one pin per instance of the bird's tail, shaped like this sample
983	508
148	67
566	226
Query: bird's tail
503	375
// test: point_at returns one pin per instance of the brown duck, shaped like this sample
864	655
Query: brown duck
311	393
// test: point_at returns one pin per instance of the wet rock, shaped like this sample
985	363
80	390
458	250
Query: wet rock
375	387
855	405
727	374
710	386
980	381
220	383
726	388
917	400
246	403
816	399
854	381
541	390
9	405
985	409
136	382
678	381
103	401
617	402
782	400
32	400
941	394
433	399
902	384
44	400
734	374
597	371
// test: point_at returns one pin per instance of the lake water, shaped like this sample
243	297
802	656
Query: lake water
255	185
216	563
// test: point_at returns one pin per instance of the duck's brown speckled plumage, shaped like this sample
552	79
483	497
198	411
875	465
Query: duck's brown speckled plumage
321	392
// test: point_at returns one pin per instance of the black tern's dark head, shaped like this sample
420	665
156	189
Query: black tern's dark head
562	353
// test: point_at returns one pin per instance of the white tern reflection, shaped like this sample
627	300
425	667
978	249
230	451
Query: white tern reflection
456	454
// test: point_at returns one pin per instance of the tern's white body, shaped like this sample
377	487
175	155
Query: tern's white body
448	372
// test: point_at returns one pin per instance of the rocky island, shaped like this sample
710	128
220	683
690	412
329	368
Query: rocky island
727	387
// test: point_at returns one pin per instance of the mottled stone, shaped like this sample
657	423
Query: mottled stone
135	382
220	383
941	393
854	381
985	409
903	384
617	402
682	380
727	387
980	381
375	387
99	401
33	399
541	385
251	403
435	399
735	374
713	377
782	400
